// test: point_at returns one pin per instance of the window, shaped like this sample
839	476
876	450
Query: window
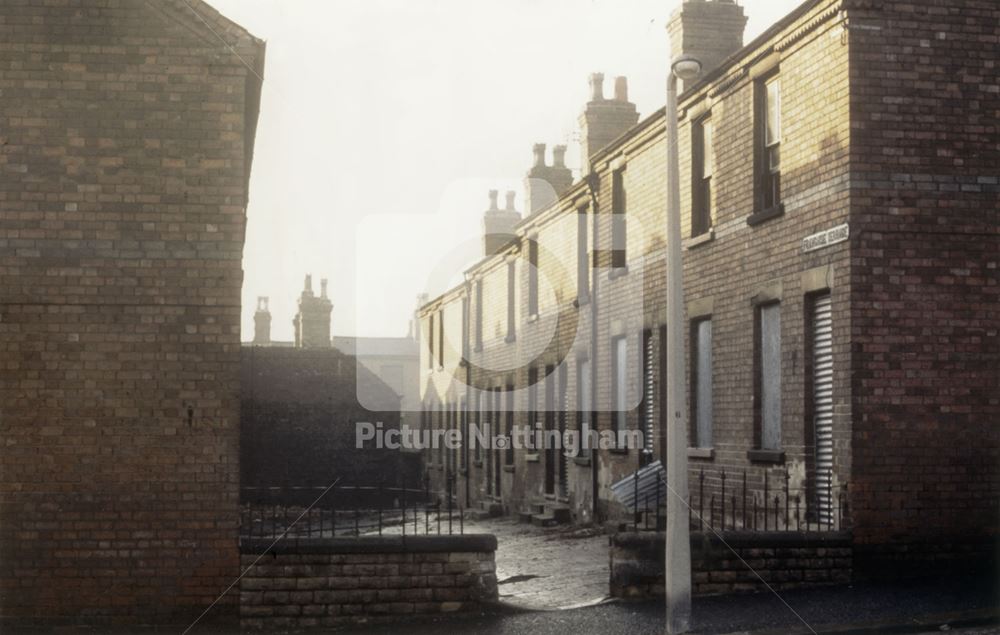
511	311
464	414
479	314
582	263
484	406
440	426
452	451
769	135
703	158
509	425
440	338
584	400
532	407
767	411
619	386
701	383
430	342
618	225
533	276
465	328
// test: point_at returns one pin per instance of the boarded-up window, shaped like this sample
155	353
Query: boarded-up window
769	375
701	383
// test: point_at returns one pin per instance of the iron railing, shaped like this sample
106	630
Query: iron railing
744	501
294	512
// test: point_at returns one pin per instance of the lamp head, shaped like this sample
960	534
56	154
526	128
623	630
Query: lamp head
687	68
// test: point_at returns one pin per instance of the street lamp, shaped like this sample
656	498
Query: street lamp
677	565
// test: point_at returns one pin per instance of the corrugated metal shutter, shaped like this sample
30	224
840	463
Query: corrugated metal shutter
823	404
648	387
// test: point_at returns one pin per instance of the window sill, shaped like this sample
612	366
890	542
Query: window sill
583	461
765	215
617	272
619	451
510	339
766	456
532	318
532	457
701	453
581	300
508	468
700	239
478	348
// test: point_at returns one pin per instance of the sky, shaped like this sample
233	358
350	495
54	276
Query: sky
384	123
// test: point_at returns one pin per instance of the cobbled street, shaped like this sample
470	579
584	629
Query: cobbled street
553	568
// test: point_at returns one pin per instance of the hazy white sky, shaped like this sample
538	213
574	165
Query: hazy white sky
384	123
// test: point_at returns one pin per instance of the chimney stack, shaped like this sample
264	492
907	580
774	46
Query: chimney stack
312	322
544	184
498	225
710	30
559	156
262	322
604	120
539	151
621	89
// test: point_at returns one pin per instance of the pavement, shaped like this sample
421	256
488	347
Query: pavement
967	607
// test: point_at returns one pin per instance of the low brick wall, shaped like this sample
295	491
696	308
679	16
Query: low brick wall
784	559
333	581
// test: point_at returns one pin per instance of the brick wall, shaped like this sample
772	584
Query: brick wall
925	290
787	560
332	582
127	137
299	410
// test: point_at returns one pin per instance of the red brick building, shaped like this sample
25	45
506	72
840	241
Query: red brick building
839	188
127	138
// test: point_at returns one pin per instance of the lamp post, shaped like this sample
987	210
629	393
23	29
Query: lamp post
677	567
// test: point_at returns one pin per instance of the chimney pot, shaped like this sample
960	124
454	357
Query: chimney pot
559	156
322	287
539	152
597	87
621	89
493	200
510	201
309	284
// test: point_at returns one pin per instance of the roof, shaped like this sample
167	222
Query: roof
377	346
743	55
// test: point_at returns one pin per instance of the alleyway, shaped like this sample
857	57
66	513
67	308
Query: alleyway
554	568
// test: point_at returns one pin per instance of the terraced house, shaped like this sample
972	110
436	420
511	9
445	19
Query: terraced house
839	188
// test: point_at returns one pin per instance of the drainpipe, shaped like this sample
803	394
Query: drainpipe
594	185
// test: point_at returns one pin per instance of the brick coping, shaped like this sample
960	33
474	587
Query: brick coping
457	543
744	538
